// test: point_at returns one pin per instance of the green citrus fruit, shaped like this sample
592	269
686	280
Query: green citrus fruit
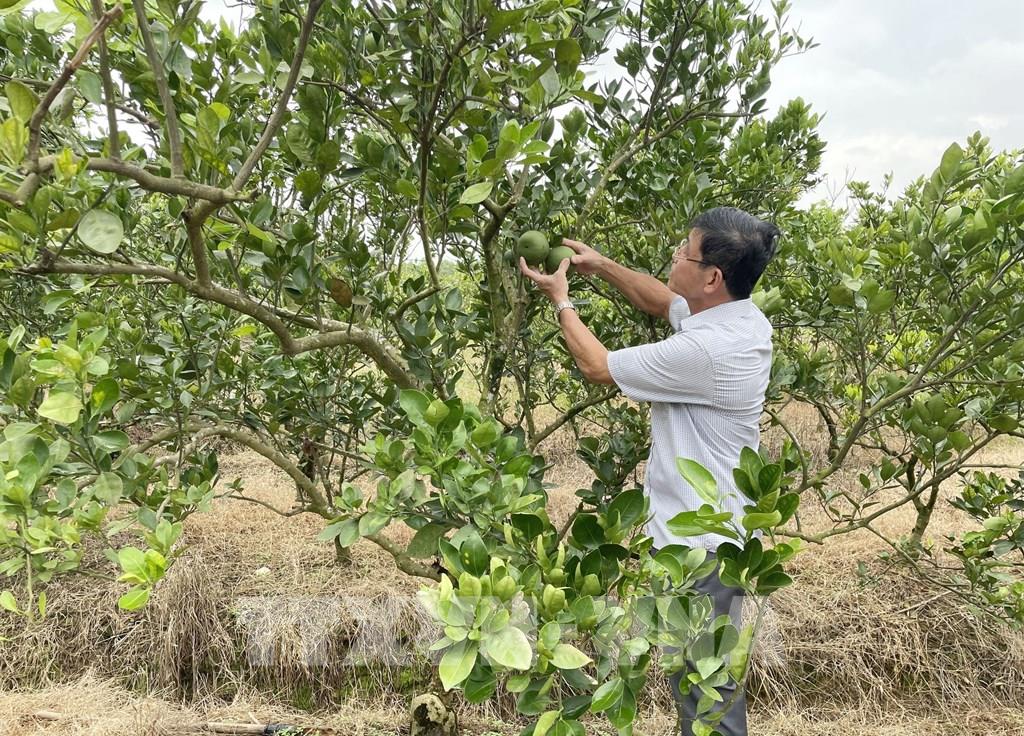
533	246
555	257
436	413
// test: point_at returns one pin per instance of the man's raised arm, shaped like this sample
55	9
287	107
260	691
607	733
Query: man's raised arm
646	293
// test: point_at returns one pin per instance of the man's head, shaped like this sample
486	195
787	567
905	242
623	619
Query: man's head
722	257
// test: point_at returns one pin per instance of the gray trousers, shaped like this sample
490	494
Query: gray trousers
726	600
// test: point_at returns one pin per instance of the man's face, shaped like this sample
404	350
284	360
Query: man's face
688	275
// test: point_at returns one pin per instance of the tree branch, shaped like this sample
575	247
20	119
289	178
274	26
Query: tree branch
166	100
410	301
108	86
282	103
572	412
316	500
369	344
404	563
35	123
148	181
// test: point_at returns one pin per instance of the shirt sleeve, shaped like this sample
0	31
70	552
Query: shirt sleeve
678	310
678	370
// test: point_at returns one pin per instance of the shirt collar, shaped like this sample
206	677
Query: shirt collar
720	313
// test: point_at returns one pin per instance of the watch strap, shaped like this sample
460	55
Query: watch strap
563	305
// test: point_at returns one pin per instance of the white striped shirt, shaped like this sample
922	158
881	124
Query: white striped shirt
706	386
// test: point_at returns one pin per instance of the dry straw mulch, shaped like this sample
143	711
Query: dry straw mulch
93	706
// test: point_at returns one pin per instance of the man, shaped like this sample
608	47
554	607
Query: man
705	383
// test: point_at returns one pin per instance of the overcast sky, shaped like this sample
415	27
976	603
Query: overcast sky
899	80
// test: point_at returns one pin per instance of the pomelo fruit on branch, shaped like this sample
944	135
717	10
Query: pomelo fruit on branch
533	246
555	257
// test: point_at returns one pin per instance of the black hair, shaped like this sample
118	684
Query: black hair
739	244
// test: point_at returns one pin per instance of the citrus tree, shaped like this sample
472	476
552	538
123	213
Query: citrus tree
904	332
296	235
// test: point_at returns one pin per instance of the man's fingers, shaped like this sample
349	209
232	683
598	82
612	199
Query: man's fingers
526	270
563	266
576	245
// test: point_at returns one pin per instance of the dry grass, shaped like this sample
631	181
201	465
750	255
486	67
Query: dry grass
91	706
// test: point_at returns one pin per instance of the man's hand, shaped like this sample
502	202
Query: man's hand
587	260
555	285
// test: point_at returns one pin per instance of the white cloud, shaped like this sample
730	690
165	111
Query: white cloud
899	81
990	122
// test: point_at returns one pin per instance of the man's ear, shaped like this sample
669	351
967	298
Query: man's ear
714	280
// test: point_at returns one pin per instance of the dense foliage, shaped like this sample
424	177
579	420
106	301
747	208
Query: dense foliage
295	235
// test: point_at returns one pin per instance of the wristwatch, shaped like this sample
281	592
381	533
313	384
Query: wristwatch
563	305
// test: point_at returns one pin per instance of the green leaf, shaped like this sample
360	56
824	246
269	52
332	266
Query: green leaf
568	54
407	188
481	685
90	85
545	722
457	663
762	521
517	683
372	522
414	403
424	543
695	523
105	394
881	301
13	140
623	712
101	231
510	132
751	462
477	193
8	602
550	82
550	634
1003	423
61	407
568	657
23	100
346	531
111	440
510	648
772	581
474	556
699	478
1014	182
223	111
607	695
742	481
9	7
586	531
769	478
787	506
707	666
132	561
108	487
134	599
486	433
951	162
629	505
